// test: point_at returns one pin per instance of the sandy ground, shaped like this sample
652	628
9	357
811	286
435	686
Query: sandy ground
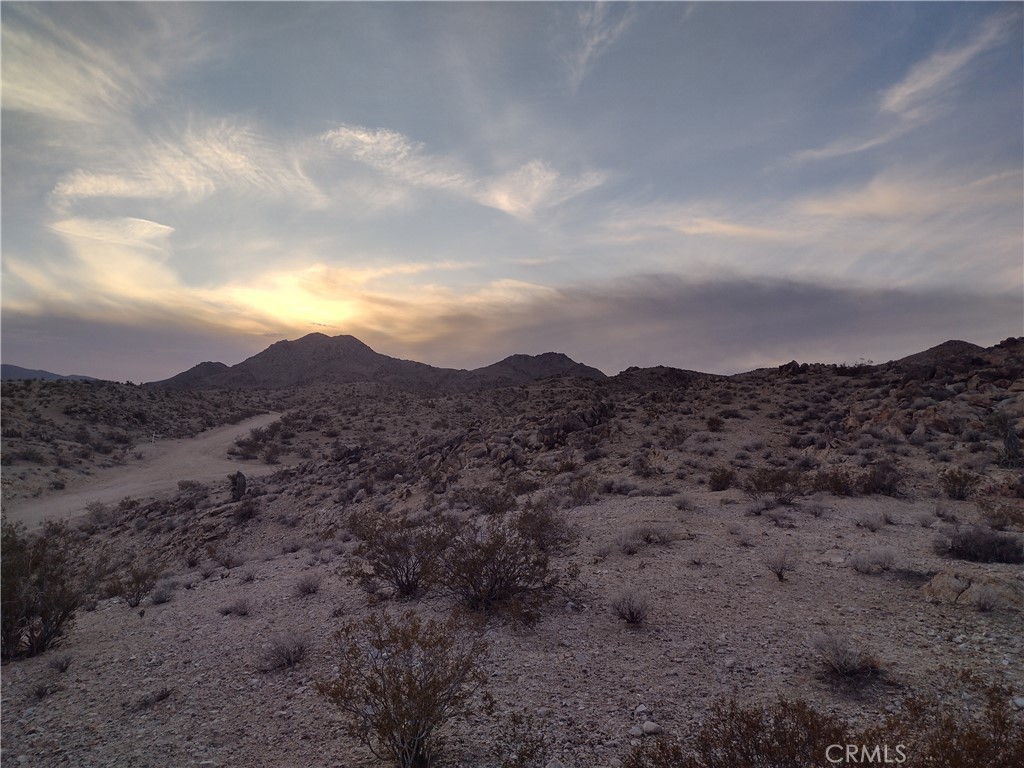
164	463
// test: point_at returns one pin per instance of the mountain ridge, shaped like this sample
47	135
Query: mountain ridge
317	357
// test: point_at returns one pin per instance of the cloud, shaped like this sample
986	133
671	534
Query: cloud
532	187
597	32
706	219
920	96
68	70
221	155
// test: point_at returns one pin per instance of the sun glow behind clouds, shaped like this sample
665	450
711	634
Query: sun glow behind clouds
151	178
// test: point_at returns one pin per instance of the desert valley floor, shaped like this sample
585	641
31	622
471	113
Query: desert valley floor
686	491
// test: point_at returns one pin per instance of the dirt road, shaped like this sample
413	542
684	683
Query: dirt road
203	457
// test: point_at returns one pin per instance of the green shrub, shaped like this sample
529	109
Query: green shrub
40	593
400	680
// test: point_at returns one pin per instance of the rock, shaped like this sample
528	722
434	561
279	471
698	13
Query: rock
1018	702
555	763
636	730
544	711
651	728
641	710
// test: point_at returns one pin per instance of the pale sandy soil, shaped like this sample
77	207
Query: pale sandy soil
203	458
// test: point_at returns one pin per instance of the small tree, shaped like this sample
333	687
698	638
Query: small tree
401	679
39	590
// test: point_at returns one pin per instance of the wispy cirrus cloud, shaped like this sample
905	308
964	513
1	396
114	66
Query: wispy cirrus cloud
75	73
921	95
597	32
222	155
522	192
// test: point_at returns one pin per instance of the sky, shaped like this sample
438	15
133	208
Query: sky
709	186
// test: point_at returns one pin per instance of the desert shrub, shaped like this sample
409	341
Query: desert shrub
883	478
38	588
308	584
786	734
490	565
137	583
836	481
843	661
714	423
629	542
163	592
489	501
1000	516
239	607
284	651
1010	455
247	509
982	545
935	736
873	521
404	555
958	483
401	680
780	484
878	559
60	663
780	562
631	607
721	479
581	491
519	742
548	529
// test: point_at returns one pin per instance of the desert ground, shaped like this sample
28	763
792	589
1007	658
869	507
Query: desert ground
687	491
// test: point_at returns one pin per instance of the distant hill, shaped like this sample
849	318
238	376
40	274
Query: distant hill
10	372
345	359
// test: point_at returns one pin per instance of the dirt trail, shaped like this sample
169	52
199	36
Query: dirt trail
203	457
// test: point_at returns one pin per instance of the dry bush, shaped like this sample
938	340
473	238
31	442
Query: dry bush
883	478
239	607
163	592
400	680
519	742
138	583
721	479
60	663
837	481
843	661
547	528
780	562
987	599
489	501
786	734
935	736
792	734
878	559
308	584
39	588
284	651
1000	516
981	545
403	554
958	483
781	485
490	565
873	521
631	607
